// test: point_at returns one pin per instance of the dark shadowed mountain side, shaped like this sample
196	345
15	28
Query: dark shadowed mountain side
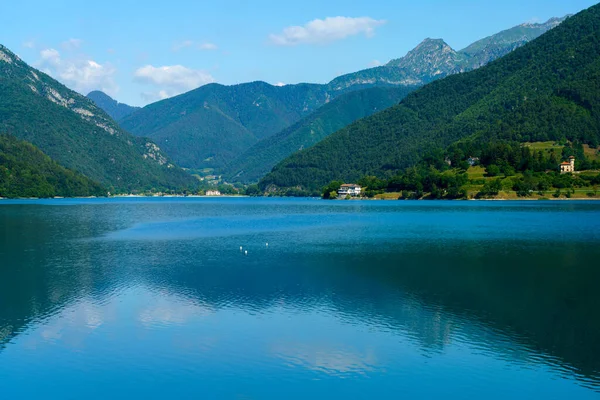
546	90
213	125
255	162
27	172
73	131
116	110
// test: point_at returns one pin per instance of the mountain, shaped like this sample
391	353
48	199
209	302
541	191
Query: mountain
73	131
27	172
434	59
255	162
548	89
116	110
492	47
211	125
214	124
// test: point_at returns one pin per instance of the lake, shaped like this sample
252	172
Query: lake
153	298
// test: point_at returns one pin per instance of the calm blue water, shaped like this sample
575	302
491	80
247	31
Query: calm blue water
152	298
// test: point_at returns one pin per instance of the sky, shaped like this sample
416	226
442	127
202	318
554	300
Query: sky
140	52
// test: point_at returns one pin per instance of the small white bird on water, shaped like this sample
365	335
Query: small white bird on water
246	252
240	248
267	244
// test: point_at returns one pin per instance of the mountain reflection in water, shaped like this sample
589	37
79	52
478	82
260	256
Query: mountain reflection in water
480	298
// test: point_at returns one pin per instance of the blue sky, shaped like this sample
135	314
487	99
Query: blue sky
139	52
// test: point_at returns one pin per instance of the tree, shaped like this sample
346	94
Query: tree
252	190
507	170
491	188
492	170
329	192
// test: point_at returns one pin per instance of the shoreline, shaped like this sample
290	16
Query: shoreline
284	197
121	196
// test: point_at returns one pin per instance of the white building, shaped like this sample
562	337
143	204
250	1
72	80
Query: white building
349	189
569	166
213	193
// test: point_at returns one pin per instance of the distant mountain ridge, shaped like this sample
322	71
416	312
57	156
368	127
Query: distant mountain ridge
547	90
258	160
76	133
213	125
434	58
116	110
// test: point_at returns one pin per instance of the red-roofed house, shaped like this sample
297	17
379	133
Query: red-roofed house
568	166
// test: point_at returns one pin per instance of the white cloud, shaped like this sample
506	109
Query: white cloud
208	46
170	80
190	43
182	45
79	73
328	30
30	44
375	63
72	44
279	84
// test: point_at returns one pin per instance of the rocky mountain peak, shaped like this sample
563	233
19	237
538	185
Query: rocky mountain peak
431	57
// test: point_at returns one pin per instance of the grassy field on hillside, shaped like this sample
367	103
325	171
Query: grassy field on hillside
592	154
477	178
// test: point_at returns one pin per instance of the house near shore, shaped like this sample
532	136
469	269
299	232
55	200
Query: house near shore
213	193
473	161
349	189
568	166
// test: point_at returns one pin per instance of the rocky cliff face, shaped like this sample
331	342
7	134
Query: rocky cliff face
13	68
432	57
75	132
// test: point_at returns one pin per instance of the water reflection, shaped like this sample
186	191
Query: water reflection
380	299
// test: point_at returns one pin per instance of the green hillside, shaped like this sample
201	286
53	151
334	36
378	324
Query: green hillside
27	172
545	90
116	110
264	155
70	129
433	59
209	126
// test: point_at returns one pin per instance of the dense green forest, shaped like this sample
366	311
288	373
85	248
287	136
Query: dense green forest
546	90
27	172
507	166
433	59
209	127
255	162
70	129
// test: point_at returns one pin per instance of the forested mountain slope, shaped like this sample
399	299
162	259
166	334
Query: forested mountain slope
434	59
27	172
211	126
255	162
548	89
72	130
